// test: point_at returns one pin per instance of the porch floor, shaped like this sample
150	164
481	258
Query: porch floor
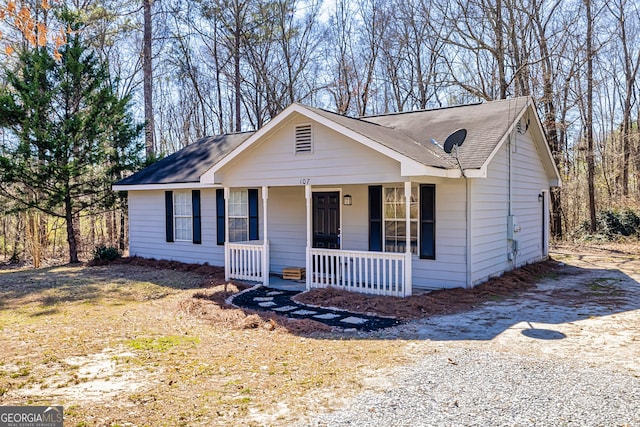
277	282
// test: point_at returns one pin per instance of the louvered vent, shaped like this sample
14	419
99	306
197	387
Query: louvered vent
304	139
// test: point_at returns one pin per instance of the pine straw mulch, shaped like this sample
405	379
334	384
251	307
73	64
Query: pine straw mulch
163	264
210	303
446	301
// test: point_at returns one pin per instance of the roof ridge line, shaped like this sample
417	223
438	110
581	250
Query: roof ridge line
397	113
446	158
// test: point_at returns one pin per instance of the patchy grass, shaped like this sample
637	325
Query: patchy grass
161	344
127	344
137	342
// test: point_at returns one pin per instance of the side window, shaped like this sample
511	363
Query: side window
243	215
182	216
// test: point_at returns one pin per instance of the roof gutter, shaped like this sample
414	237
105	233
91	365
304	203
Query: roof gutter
167	186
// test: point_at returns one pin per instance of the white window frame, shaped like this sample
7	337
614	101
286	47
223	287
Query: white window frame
238	208
415	221
183	214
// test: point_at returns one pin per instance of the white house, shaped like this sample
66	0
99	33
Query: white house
372	204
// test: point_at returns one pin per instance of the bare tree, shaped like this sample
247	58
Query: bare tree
147	72
588	123
549	32
341	84
630	50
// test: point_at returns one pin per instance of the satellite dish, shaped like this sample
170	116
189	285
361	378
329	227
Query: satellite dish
455	140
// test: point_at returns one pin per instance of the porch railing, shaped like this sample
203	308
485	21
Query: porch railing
377	273
247	261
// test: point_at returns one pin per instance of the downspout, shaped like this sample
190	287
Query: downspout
511	221
467	214
467	210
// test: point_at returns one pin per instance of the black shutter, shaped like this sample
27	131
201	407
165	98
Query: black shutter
428	221
253	214
197	222
375	218
168	213
220	216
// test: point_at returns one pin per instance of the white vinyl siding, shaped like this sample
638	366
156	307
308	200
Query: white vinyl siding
336	160
490	209
287	227
529	179
449	267
147	224
182	216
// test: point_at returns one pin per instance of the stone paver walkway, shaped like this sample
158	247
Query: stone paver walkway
279	301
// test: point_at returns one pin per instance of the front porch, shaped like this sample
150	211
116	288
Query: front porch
372	273
331	264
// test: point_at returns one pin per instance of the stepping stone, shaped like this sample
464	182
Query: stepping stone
261	299
274	293
285	308
354	320
304	312
267	304
326	316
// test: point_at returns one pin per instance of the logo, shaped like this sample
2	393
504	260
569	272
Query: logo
31	416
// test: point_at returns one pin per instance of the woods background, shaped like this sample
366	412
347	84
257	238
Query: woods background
196	68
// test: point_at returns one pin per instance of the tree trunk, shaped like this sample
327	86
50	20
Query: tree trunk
237	43
216	60
121	240
589	122
500	51
550	123
15	255
147	71
71	230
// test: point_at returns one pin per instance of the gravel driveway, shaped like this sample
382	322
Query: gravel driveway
566	353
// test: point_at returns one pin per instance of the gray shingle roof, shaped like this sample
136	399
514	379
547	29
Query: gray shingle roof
486	125
188	164
400	142
409	134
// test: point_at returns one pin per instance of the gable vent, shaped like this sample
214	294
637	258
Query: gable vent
304	139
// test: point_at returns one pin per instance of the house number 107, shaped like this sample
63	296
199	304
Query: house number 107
305	181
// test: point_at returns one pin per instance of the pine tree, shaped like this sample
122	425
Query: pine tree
70	134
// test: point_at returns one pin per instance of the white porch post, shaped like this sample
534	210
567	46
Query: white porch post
226	234
265	242
408	261
308	267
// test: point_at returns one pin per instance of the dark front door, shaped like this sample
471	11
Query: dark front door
326	220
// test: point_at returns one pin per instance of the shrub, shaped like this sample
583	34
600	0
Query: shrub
105	253
611	224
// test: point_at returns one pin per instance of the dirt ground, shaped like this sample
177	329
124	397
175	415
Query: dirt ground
144	343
